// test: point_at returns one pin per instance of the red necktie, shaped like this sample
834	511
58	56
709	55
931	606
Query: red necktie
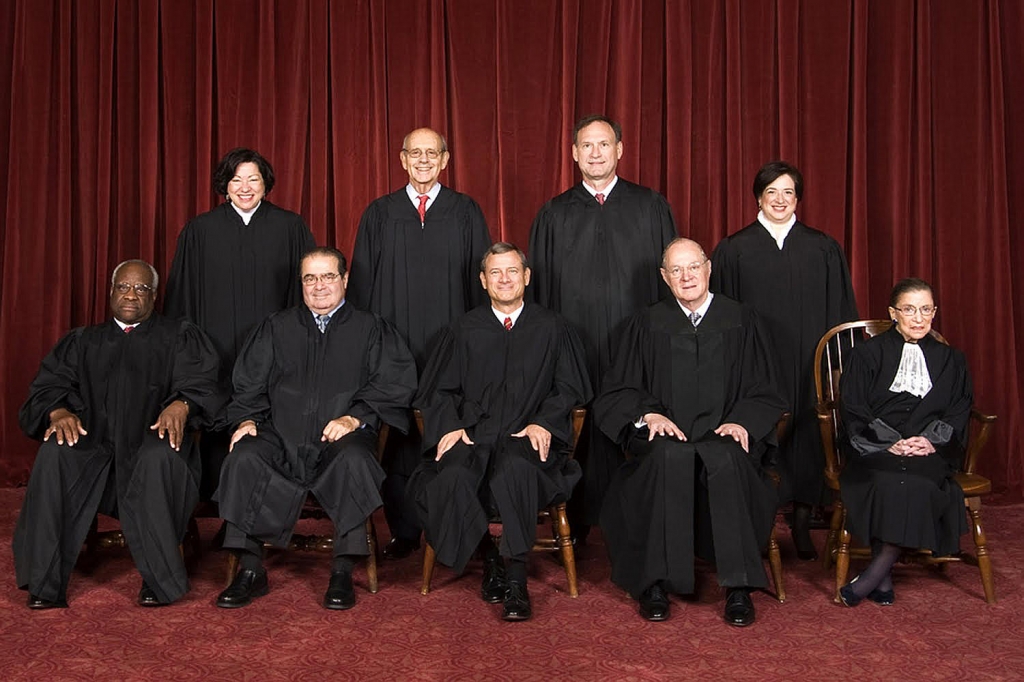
508	324
600	198
423	208
128	329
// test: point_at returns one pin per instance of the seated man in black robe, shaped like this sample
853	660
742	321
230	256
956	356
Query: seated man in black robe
692	398
114	405
496	396
313	384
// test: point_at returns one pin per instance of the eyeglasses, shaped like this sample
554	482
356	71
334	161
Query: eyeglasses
326	278
140	289
925	310
693	269
417	153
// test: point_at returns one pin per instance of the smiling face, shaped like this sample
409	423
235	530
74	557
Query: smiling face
687	272
320	295
423	157
778	200
911	322
245	189
505	280
597	153
132	294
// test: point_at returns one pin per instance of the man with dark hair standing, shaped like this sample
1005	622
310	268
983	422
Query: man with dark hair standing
114	405
233	266
415	264
594	253
496	397
692	397
313	384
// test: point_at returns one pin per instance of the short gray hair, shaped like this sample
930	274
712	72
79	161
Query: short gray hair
135	261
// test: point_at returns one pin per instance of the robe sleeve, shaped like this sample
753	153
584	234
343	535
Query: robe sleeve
194	376
570	386
388	392
864	432
842	303
180	299
440	397
758	405
624	398
365	257
55	385
477	239
961	397
300	241
540	254
723	271
251	378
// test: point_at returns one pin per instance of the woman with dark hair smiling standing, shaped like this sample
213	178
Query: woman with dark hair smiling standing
797	279
234	266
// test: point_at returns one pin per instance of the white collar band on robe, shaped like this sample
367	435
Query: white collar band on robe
912	376
246	216
778	232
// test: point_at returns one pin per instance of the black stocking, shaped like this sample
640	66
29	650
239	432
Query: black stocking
878	574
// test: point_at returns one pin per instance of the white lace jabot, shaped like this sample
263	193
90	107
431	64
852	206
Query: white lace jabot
912	375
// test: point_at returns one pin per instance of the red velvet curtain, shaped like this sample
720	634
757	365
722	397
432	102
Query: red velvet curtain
902	116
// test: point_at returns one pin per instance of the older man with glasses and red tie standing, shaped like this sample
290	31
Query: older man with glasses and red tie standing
415	264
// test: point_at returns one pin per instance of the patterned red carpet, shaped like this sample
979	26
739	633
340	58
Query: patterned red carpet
939	628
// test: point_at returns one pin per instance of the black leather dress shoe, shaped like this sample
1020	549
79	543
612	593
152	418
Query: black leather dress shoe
147	597
739	608
246	586
38	604
492	590
883	597
340	594
654	603
399	548
517	603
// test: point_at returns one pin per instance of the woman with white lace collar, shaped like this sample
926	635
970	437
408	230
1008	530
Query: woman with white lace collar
905	404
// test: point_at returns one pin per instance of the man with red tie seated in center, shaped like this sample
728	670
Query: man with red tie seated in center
496	396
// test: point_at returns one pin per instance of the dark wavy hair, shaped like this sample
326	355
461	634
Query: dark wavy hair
328	251
596	118
772	171
232	160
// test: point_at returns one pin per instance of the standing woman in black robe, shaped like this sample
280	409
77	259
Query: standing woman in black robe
797	279
906	402
234	266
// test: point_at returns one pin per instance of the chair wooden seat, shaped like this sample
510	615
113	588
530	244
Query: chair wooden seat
829	360
311	509
560	539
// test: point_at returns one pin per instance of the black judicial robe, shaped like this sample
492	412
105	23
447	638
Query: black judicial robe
800	292
699	378
228	276
906	501
596	265
291	379
117	384
419	277
493	383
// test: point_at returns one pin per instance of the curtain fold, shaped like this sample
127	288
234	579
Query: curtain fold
906	119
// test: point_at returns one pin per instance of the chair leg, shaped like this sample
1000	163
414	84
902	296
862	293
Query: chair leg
842	559
371	559
980	544
560	530
775	562
833	534
428	568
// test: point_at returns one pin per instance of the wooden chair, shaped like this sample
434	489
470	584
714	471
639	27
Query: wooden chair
829	360
774	555
560	539
311	509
